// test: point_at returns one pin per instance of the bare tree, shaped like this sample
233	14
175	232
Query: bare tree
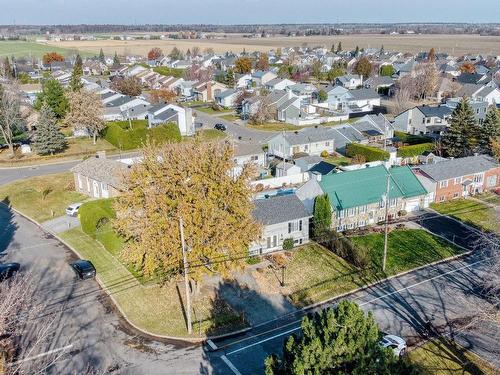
11	120
27	328
264	113
402	99
85	112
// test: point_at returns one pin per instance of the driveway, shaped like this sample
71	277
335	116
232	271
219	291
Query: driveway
85	318
61	224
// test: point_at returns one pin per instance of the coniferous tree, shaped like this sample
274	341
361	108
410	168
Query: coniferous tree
75	83
339	340
229	79
116	60
102	58
53	95
322	219
339	47
461	137
489	130
47	138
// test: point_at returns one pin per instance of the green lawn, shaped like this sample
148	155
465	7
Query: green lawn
407	249
158	309
211	111
313	273
165	71
210	134
42	198
470	212
489	197
275	126
230	117
338	160
24	49
445	357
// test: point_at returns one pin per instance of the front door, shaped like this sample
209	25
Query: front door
95	187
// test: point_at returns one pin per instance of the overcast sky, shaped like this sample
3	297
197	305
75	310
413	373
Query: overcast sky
245	11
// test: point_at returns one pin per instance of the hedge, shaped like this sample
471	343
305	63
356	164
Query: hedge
119	135
412	139
92	214
370	153
415	150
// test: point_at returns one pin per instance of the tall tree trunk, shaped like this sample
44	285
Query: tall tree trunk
11	149
95	137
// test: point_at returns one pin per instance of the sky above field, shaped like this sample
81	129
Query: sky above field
245	11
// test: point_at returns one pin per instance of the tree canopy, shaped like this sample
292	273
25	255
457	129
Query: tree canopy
363	67
262	62
243	65
75	83
193	182
322	219
50	57
127	86
489	131
53	95
462	135
47	138
85	112
155	53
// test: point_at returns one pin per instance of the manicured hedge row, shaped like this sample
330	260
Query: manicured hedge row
94	213
370	153
120	136
412	139
415	150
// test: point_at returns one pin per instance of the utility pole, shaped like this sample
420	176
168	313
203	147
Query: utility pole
386	219
186	280
284	155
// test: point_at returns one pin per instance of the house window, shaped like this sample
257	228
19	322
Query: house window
327	144
455	195
350	226
492	181
441	199
478	178
458	180
254	158
80	183
392	202
300	225
443	184
382	203
341	214
351	211
306	147
362	209
290	227
361	223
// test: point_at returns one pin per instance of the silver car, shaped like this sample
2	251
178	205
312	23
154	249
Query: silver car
72	209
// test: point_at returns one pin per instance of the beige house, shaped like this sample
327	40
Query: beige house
99	177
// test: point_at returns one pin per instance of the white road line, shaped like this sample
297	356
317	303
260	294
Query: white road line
362	304
261	341
230	365
212	345
44	354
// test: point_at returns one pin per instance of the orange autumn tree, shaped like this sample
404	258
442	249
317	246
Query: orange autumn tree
155	53
162	96
192	181
467	67
51	57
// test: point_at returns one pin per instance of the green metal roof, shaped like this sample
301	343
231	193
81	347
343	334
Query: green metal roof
368	185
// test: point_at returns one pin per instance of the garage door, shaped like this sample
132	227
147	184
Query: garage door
412	205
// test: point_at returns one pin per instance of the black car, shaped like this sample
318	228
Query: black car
220	127
84	269
7	270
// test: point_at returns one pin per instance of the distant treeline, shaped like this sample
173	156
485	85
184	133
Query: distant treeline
283	29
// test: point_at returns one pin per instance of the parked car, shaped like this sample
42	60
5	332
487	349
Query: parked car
72	209
8	270
84	269
396	343
220	127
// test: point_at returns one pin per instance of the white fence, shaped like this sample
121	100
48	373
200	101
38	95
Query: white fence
277	182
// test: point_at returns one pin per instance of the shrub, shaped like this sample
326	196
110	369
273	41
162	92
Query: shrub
412	139
324	154
344	248
415	150
370	153
121	136
95	214
288	244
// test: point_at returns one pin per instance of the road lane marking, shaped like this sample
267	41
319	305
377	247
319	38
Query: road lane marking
44	354
362	304
230	365
212	345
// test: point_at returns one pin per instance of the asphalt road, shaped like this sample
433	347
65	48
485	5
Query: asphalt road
238	132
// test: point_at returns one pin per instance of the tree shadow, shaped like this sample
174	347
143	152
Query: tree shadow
7	225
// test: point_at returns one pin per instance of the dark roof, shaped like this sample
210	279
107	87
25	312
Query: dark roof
279	209
469	78
440	111
361	94
168	115
322	168
459	167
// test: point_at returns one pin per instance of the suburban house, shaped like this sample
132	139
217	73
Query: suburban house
349	81
358	197
311	141
260	78
119	108
243	81
479	108
423	119
282	217
99	177
381	84
250	153
488	94
165	113
226	98
459	178
279	84
206	91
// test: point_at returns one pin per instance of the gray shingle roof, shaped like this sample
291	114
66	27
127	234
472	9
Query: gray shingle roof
279	209
459	167
104	170
362	94
440	111
308	135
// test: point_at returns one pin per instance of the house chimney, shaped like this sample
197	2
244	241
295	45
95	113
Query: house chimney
101	154
209	91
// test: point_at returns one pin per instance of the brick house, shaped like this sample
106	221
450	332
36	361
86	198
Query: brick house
99	177
459	178
357	197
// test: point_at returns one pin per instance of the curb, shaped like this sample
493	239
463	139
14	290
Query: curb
194	340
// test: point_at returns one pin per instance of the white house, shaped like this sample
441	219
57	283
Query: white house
350	81
279	84
283	218
226	98
424	119
164	113
312	141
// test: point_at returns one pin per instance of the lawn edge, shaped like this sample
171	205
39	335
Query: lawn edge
194	340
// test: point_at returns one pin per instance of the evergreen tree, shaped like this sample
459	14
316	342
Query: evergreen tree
356	51
322	219
116	60
489	130
75	83
53	95
229	80
102	58
333	48
339	340
339	47
47	138
461	137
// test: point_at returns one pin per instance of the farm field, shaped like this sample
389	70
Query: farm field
25	49
454	44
